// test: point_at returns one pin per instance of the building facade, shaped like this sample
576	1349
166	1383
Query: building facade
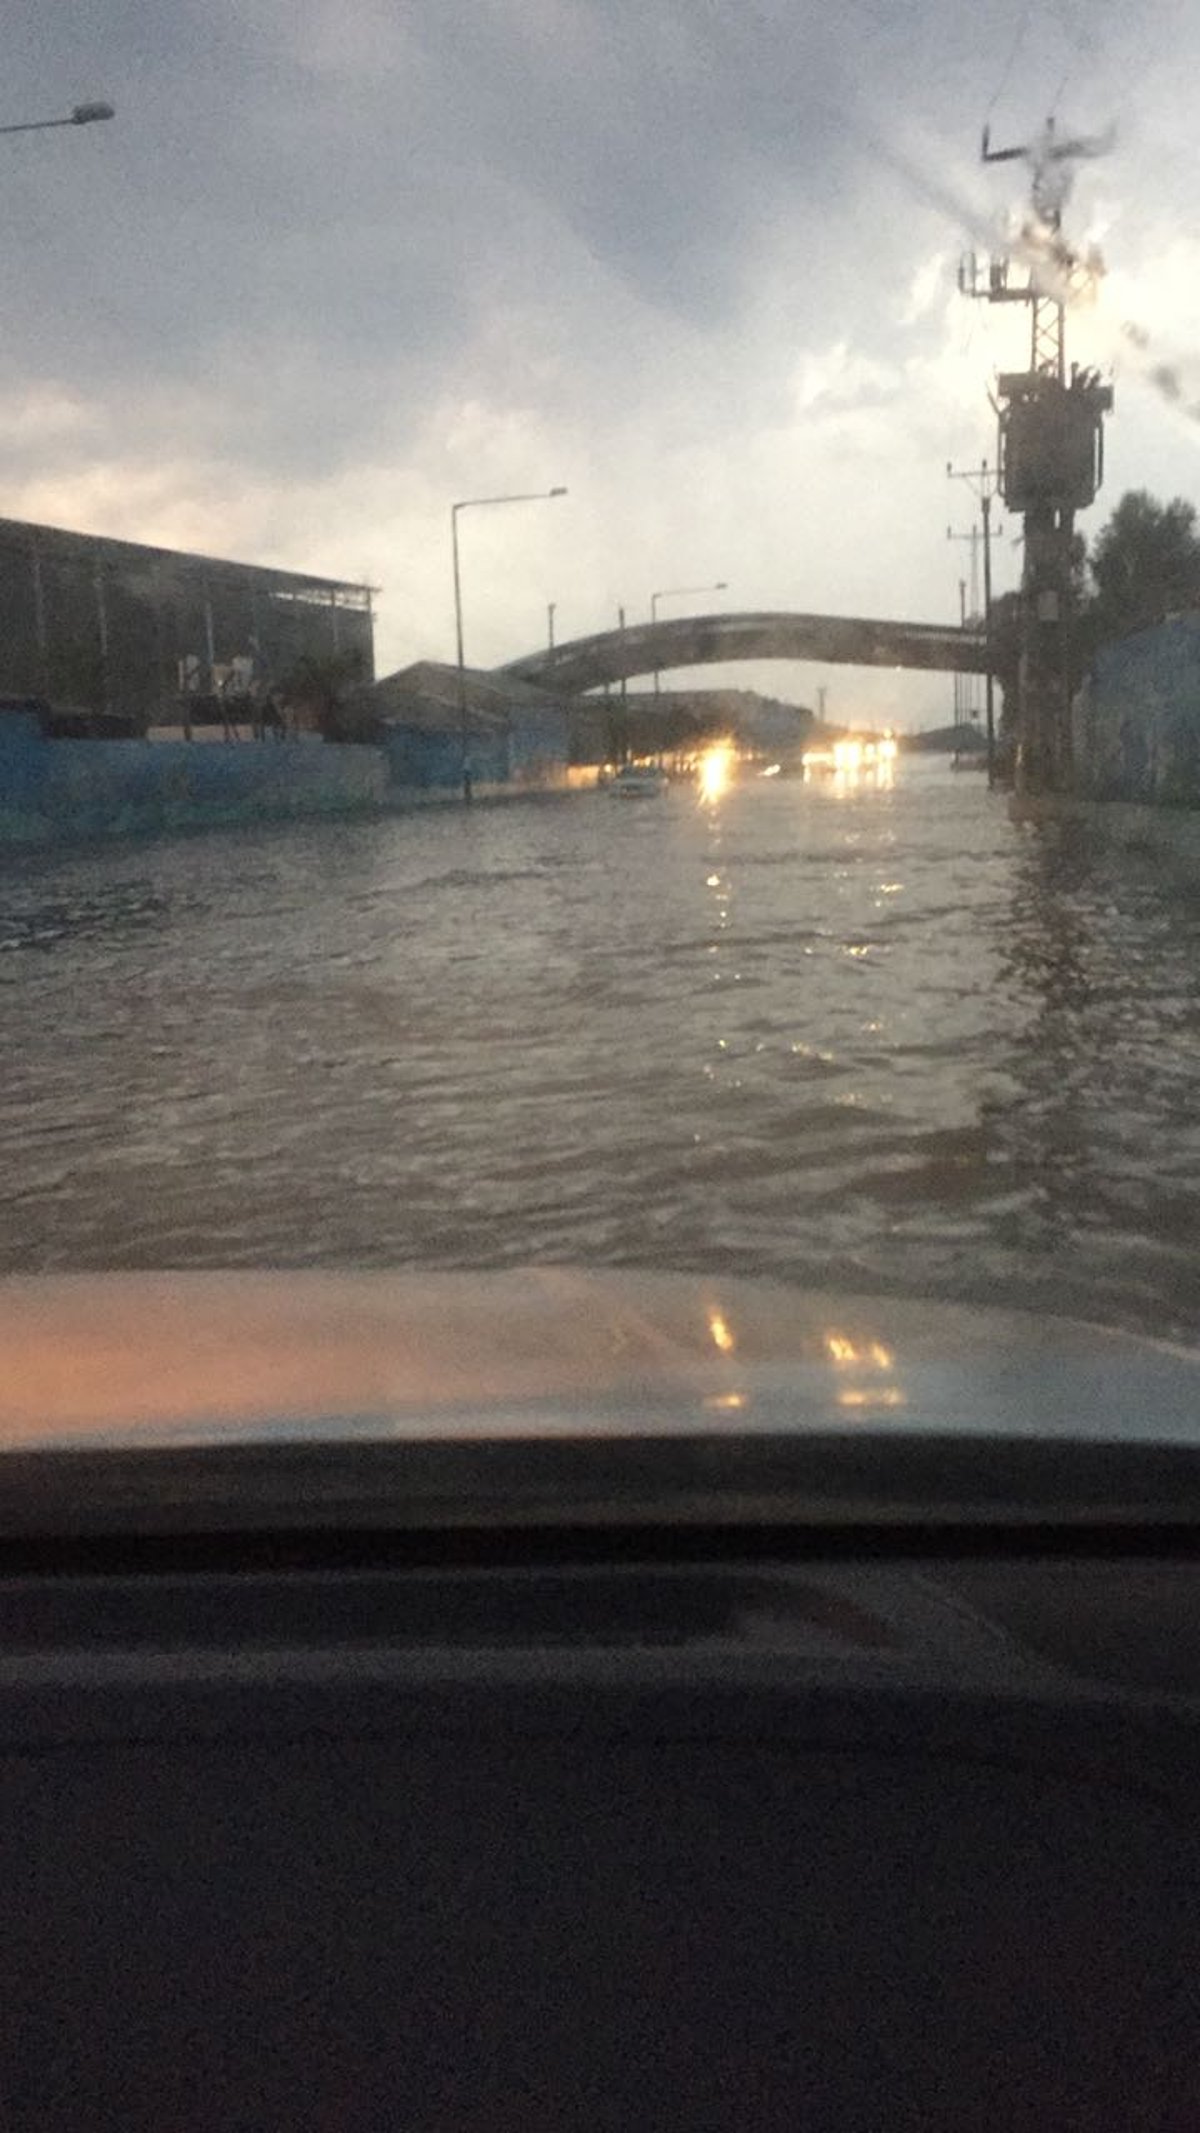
148	633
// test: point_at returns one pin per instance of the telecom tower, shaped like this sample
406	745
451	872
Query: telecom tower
1051	450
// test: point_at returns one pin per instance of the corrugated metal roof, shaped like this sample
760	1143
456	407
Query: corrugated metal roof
58	543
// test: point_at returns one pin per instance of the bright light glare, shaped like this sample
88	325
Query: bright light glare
721	1334
716	770
855	763
841	1349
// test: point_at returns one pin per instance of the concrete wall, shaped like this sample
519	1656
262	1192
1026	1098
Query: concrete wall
1137	720
66	789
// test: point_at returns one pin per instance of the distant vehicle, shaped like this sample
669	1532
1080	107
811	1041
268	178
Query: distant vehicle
639	781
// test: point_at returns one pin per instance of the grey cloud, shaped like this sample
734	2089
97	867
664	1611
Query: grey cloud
310	221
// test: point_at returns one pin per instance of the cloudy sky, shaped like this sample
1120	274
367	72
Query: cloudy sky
339	262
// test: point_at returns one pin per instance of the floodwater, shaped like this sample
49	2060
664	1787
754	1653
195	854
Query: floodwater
885	1039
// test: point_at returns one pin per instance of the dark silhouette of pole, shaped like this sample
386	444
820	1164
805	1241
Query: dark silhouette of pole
983	480
989	679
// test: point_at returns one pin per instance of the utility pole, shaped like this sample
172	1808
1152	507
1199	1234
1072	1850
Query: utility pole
983	481
1051	456
964	689
550	607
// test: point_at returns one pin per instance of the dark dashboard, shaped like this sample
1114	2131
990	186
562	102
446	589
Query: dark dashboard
600	1821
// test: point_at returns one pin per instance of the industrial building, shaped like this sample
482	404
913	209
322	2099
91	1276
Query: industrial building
117	627
437	723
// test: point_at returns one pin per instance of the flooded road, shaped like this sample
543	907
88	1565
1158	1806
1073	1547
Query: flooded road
883	1039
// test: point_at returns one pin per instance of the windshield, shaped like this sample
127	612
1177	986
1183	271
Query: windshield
600	671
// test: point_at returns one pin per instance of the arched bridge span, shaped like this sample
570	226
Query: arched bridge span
714	640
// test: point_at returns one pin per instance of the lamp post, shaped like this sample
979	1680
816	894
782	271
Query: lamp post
477	503
82	115
680	592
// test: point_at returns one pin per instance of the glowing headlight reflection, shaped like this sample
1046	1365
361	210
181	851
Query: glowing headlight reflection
715	771
854	762
872	1362
722	1335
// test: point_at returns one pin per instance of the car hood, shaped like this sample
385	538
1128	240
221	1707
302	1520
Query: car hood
203	1358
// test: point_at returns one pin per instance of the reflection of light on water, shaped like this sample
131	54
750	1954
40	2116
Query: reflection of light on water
733	1400
722	1336
715	771
855	763
872	1361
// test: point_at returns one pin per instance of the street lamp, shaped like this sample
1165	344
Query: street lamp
477	503
82	115
680	592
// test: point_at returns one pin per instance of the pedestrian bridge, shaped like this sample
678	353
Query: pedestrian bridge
713	640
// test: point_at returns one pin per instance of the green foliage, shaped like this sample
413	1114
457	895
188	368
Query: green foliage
1144	564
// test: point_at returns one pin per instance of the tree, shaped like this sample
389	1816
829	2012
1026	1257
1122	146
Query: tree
1145	563
324	686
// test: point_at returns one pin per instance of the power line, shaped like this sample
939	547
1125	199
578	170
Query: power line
1011	61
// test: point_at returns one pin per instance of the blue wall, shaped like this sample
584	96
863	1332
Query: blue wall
1137	720
538	748
66	789
422	760
532	754
52	789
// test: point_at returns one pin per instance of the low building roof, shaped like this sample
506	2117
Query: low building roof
428	694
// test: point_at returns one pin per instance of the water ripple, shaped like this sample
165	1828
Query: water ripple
893	1040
